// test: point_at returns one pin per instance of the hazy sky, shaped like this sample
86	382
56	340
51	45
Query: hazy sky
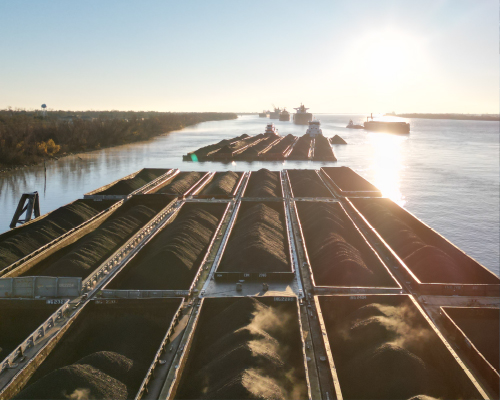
351	56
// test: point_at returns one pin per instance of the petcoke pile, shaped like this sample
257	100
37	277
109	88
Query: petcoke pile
81	258
231	148
301	149
20	242
264	183
258	241
127	186
245	349
322	149
181	183
427	262
387	352
348	180
210	149
307	183
337	253
104	355
253	151
337	140
282	145
223	183
172	258
18	319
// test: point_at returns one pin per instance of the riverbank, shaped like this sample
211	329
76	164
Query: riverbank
28	138
459	117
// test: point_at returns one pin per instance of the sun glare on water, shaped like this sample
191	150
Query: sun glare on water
387	164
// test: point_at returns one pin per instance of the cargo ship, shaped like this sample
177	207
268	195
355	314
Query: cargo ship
284	115
302	117
275	114
264	114
399	127
352	125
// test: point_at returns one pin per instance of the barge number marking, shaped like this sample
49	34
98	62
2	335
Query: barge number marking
357	297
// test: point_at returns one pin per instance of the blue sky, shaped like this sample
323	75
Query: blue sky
352	56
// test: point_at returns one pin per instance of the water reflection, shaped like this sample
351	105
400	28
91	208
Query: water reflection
387	164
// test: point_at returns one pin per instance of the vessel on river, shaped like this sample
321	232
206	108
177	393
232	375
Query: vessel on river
386	126
264	114
352	125
275	114
284	115
302	117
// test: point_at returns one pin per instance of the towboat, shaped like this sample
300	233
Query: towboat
314	129
271	130
351	125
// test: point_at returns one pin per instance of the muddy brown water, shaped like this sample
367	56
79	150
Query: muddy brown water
131	329
245	348
258	241
20	318
82	257
430	257
481	326
264	183
339	256
172	258
383	348
127	186
19	242
348	180
307	183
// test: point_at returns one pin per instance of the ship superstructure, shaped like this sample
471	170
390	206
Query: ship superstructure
302	117
271	130
314	129
264	114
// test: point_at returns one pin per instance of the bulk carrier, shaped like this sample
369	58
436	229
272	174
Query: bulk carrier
284	115
302	117
275	114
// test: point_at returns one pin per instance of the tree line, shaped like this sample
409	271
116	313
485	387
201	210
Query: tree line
28	137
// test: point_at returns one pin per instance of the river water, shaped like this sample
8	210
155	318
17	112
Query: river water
445	172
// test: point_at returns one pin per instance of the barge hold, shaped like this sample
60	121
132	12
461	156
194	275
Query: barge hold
245	348
322	149
222	185
427	260
346	182
476	331
180	184
264	183
385	347
203	152
307	183
258	245
338	255
26	240
133	183
82	257
19	318
172	259
107	351
302	149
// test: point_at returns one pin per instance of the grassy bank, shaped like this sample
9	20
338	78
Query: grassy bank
27	137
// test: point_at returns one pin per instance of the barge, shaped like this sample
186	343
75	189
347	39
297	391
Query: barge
287	281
